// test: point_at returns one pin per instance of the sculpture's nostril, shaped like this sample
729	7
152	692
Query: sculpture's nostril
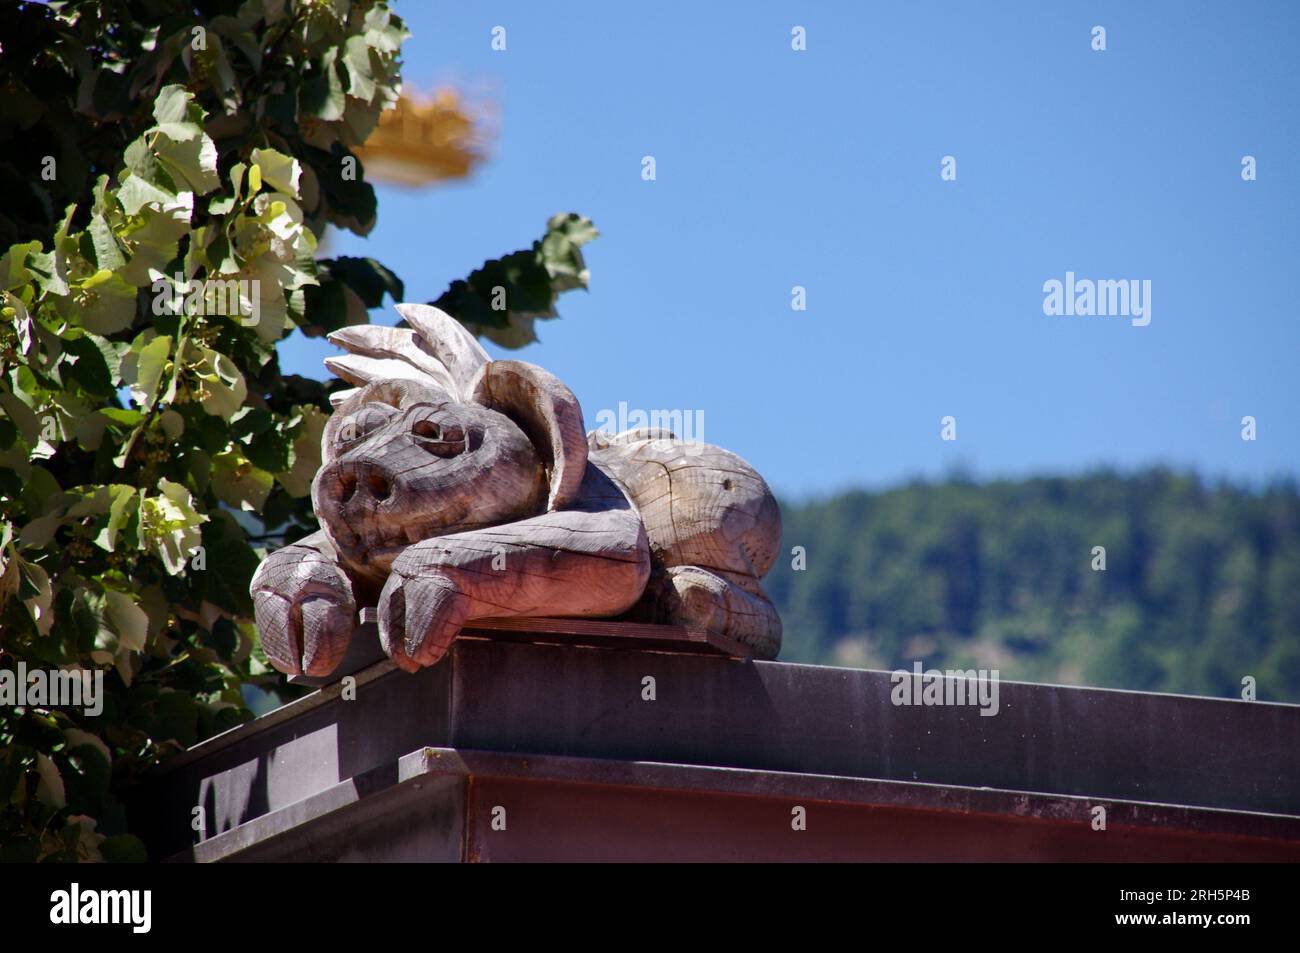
379	487
348	486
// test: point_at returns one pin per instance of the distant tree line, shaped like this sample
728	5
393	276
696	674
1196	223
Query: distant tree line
1201	585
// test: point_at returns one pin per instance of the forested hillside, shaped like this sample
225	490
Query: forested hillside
1201	586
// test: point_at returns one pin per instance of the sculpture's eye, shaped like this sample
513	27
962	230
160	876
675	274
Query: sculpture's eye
444	438
363	423
432	430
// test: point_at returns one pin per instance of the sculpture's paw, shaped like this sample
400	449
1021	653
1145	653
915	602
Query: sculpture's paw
420	615
305	611
727	604
694	597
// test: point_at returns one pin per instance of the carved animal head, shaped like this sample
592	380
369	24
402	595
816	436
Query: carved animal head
437	439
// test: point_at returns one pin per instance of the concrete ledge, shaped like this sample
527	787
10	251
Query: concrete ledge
762	717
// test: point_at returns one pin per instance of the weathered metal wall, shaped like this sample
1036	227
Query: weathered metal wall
763	717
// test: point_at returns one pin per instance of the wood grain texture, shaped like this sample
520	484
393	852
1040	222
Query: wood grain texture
393	475
400	344
702	505
455	490
359	369
549	414
591	562
457	350
305	606
339	397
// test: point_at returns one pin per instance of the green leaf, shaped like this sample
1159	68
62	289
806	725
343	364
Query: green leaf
239	483
91	361
190	162
127	418
306	452
172	104
49	787
241	37
172	423
13	266
107	253
561	253
94	501
142	162
322	96
180	131
24	417
125	505
361	76
237	178
128	620
223	385
136	192
78	739
384	31
264	438
228	549
37	595
50	272
170	525
222	206
38	532
278	169
152	362
367	277
503	299
154	234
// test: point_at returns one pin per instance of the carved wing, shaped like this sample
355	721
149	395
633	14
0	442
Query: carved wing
435	351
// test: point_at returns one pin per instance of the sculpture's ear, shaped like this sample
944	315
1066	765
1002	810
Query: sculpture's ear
547	412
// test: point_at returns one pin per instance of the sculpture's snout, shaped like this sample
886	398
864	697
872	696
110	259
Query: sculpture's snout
375	486
359	488
369	510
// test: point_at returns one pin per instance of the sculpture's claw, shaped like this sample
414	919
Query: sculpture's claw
281	640
419	618
305	610
306	634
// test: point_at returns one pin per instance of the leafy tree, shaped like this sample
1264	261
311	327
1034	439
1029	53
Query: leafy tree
169	170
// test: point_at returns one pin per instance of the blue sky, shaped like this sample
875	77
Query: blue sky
821	168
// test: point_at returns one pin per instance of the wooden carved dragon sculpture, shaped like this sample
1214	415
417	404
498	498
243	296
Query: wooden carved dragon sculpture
456	488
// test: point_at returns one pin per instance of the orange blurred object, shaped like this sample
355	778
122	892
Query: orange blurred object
423	141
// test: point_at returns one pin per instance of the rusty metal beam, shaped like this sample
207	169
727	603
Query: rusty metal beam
440	804
540	700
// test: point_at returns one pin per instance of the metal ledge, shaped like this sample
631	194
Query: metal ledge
587	703
441	804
